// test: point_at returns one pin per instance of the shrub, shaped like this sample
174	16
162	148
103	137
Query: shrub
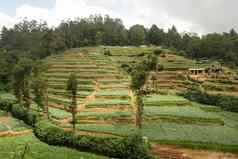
18	112
107	53
128	148
21	113
135	148
157	51
127	68
5	105
6	101
228	103
160	68
52	134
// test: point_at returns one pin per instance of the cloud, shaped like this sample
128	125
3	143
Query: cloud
6	20
188	15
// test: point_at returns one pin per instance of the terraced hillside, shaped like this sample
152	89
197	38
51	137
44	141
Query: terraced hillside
103	93
175	70
105	108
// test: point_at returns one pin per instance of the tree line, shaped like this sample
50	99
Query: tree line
36	40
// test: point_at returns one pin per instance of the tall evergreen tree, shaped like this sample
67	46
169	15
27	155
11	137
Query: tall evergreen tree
72	85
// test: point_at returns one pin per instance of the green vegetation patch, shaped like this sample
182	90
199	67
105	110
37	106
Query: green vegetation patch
105	115
12	147
109	103
7	122
165	100
182	114
58	113
218	137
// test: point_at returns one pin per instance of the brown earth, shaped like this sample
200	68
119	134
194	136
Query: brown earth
175	152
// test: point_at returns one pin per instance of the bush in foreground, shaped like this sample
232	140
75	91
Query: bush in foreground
132	147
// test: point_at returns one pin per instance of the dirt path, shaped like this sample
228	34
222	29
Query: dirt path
15	133
134	107
89	98
82	106
175	152
93	133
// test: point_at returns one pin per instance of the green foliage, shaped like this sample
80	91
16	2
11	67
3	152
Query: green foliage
158	52
189	135
29	117
138	79
137	35
165	100
155	35
58	113
228	103
72	85
6	101
106	115
112	147
39	89
107	52
109	103
135	148
13	146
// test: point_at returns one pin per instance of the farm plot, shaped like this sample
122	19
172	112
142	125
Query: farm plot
59	113
166	100
172	133
119	94
179	114
102	91
107	103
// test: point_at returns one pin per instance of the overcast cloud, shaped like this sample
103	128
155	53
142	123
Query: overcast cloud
200	16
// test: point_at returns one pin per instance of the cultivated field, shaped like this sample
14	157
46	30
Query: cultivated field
105	102
105	106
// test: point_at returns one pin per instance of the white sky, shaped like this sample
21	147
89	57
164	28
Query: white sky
200	16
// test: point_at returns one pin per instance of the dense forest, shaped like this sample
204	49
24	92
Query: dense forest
33	40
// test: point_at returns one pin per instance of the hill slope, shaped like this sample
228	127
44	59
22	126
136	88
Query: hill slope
105	108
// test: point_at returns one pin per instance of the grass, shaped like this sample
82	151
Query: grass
3	127
9	123
12	147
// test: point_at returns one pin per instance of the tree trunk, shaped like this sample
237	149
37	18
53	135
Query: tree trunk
74	111
46	105
74	120
139	110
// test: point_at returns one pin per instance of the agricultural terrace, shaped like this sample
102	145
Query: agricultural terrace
103	90
105	106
